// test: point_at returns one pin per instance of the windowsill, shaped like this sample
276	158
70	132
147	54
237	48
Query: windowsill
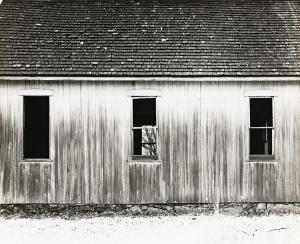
36	160
144	157
158	162
261	157
262	162
139	159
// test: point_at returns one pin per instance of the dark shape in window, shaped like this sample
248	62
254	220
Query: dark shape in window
261	142
261	112
36	127
261	127
144	127
144	112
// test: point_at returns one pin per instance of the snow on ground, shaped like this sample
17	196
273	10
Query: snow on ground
144	230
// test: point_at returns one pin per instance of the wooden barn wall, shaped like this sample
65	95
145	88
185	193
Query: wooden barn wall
203	133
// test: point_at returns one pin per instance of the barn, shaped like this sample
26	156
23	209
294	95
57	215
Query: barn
149	101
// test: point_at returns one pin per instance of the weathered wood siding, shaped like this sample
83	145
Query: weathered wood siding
141	176
203	134
35	182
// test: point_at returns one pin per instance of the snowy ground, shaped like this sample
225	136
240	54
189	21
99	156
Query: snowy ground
166	229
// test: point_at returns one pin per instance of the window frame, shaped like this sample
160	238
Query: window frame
261	157
29	158
32	93
134	157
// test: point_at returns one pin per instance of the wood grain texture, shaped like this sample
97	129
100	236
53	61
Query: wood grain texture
203	145
35	182
145	182
261	182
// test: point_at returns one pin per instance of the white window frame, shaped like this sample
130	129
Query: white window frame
142	94
144	157
261	157
260	93
31	93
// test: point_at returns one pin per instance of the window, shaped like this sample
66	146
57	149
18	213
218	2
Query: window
144	128
261	128
36	127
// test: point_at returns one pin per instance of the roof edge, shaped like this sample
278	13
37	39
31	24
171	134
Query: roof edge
153	78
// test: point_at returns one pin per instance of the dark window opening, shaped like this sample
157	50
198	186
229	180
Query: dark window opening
144	112
36	127
144	127
261	142
261	127
261	112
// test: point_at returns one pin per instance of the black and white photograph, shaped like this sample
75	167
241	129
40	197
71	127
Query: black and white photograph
149	121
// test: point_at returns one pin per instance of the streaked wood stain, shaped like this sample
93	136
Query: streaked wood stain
203	133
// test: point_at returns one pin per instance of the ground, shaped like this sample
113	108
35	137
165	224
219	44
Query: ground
215	228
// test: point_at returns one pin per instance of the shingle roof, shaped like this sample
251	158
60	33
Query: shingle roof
150	37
